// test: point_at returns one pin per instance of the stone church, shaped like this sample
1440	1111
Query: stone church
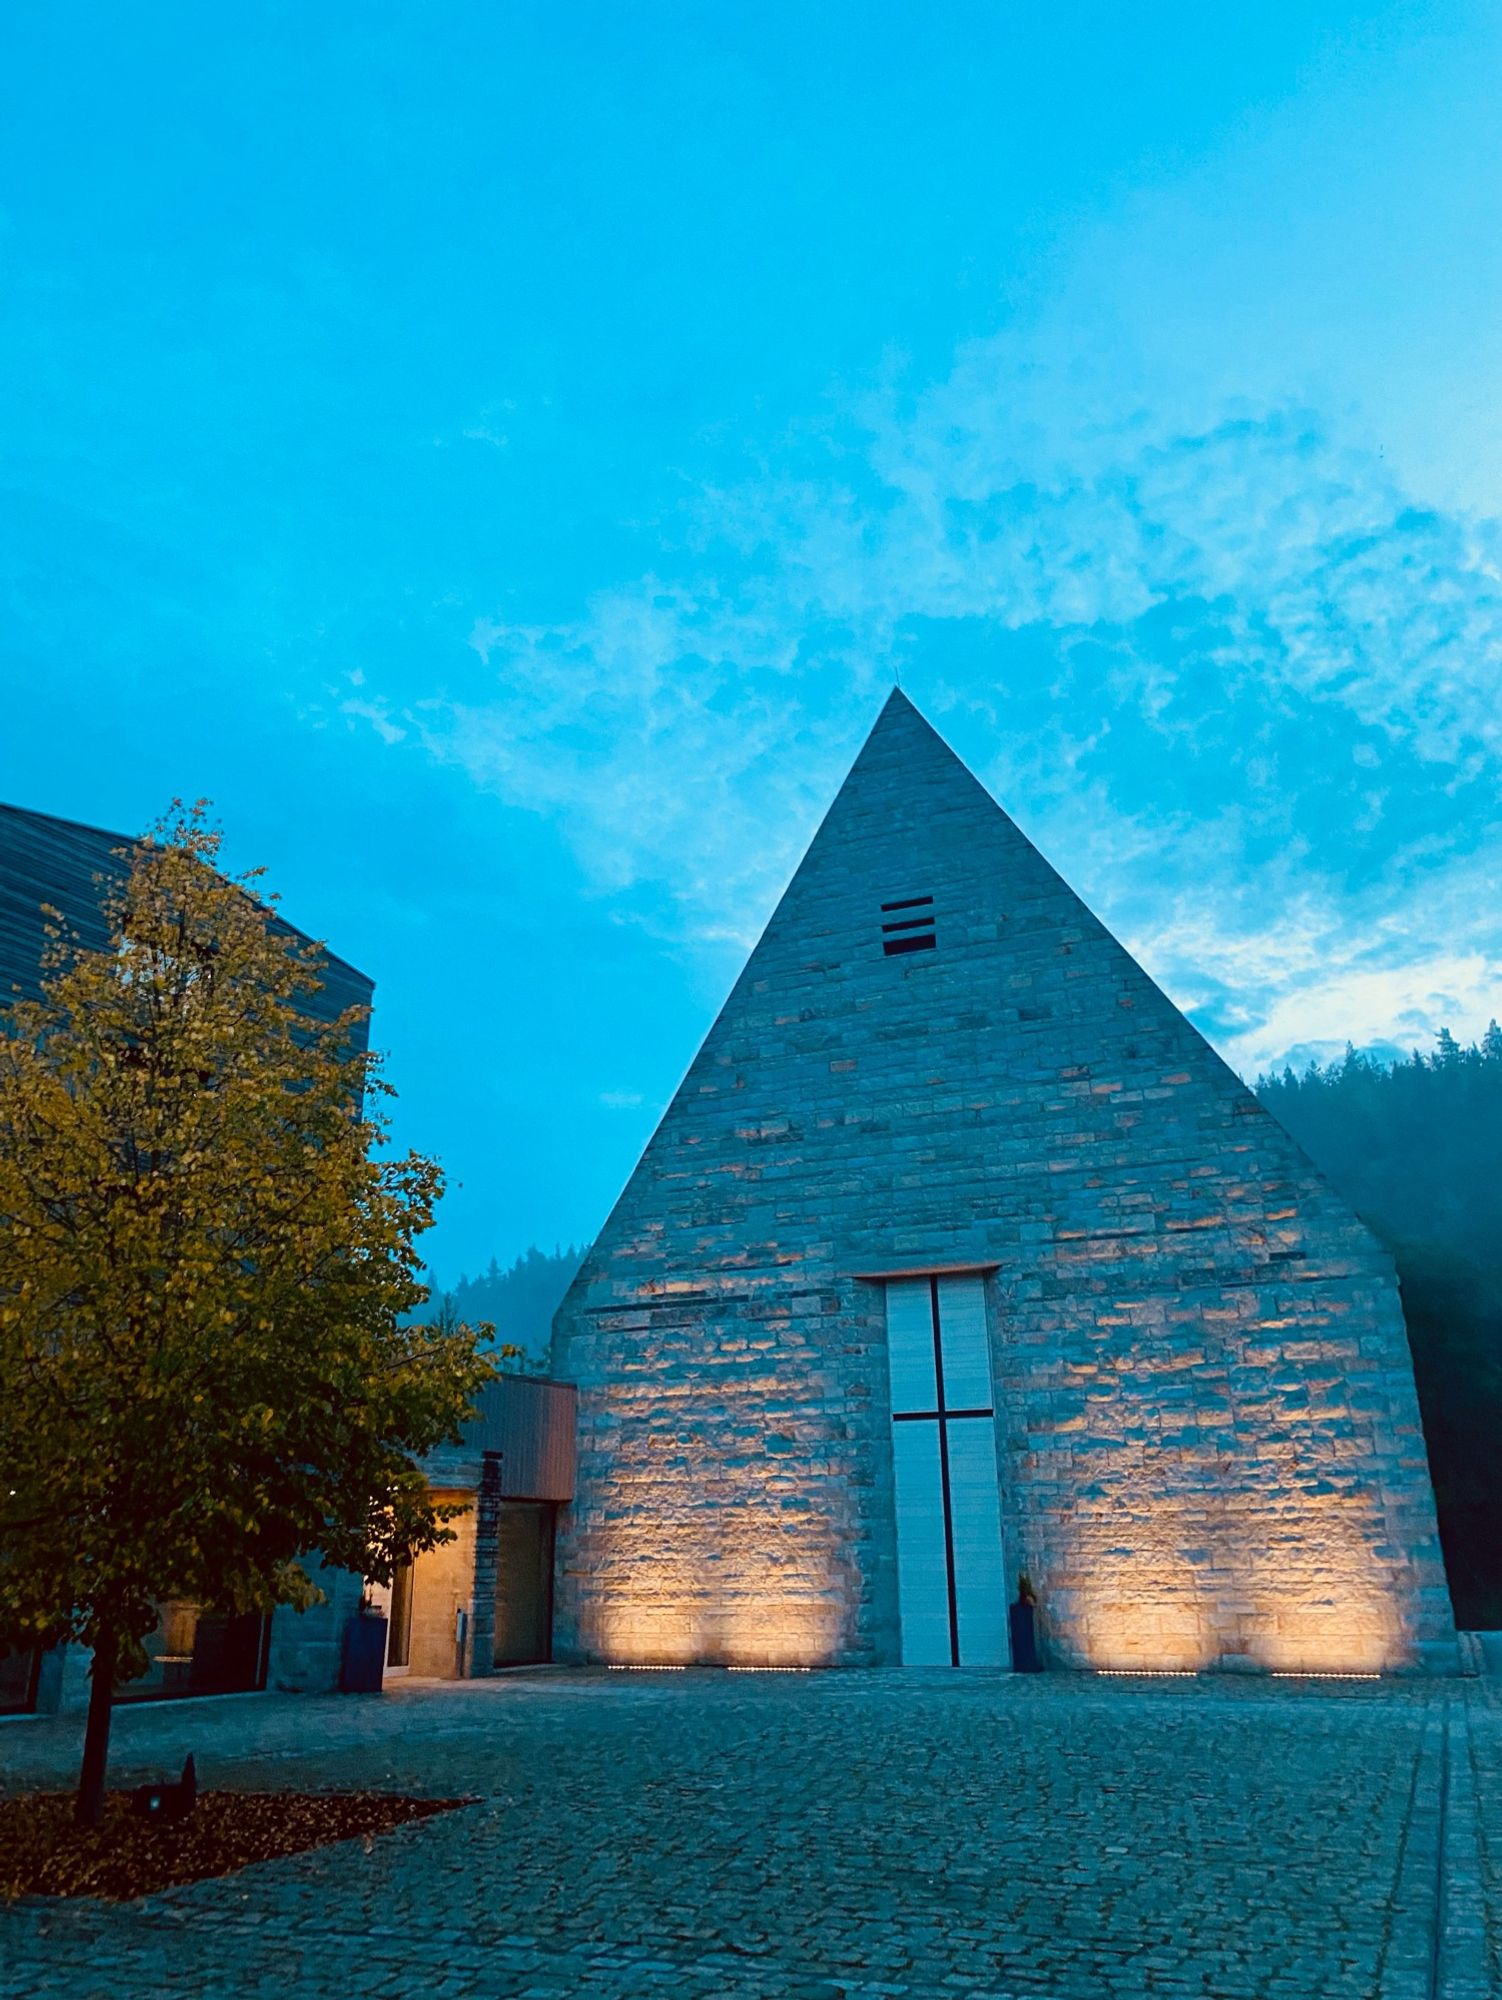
960	1253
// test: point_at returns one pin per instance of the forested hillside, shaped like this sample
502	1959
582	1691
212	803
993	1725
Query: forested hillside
518	1302
1416	1148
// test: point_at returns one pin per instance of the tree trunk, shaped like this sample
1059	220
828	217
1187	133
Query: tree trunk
89	1809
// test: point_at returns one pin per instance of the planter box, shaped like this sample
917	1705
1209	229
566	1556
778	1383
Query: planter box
1022	1627
362	1658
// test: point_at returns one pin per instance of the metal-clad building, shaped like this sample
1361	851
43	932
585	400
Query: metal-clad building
46	862
477	1602
527	1423
71	867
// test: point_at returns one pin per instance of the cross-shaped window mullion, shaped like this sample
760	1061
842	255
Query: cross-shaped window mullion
947	1504
936	1416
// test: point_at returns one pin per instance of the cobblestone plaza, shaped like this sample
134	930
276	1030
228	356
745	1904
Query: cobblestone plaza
807	1836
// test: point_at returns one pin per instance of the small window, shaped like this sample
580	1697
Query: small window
908	925
19	1674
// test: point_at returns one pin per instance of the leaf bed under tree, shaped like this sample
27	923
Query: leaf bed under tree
44	1852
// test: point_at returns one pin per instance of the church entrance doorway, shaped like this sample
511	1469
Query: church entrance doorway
951	1578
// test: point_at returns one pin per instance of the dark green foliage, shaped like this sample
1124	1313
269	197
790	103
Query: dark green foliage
520	1302
1416	1148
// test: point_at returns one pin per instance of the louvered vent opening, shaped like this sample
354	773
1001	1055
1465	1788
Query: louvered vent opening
905	926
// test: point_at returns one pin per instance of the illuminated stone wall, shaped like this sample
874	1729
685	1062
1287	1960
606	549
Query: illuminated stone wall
443	1583
1208	1435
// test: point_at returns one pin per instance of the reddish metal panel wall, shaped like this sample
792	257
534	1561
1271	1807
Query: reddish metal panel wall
532	1425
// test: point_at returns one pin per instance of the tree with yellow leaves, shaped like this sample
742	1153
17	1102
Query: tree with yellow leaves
206	1277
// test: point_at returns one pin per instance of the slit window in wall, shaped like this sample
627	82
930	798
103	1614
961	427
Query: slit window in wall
907	925
951	1576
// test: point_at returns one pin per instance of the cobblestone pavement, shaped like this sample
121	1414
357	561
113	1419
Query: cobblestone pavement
802	1837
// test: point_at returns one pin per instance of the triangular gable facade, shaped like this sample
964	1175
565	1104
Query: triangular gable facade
940	1076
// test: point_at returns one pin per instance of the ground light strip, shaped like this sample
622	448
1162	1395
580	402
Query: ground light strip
1193	1674
649	1667
1101	1673
1294	1674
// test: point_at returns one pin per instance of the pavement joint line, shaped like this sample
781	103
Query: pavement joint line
1486	1858
1463	1949
1437	1939
1405	1861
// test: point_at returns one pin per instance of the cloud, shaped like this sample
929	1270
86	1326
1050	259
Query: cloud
1316	979
376	713
1233	681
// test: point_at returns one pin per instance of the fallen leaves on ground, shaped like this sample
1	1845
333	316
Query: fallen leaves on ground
43	1852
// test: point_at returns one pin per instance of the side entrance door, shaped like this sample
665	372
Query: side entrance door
524	1583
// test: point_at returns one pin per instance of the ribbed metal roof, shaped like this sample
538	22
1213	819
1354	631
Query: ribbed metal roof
69	865
529	1422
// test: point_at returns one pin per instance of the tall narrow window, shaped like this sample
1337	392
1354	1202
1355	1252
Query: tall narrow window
399	1614
950	1577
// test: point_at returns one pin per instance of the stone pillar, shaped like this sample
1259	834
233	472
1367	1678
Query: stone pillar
481	1651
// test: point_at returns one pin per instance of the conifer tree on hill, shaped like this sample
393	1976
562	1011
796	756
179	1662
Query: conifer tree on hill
1416	1148
204	1273
519	1301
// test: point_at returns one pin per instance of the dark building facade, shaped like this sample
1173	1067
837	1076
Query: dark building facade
479	1602
69	867
958	1253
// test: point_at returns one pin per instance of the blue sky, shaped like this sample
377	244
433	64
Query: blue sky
501	454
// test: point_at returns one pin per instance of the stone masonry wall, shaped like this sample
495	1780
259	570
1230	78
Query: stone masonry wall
306	1646
1208	1437
302	1656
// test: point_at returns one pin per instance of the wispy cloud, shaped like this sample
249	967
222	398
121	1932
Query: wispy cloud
377	714
1240	688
